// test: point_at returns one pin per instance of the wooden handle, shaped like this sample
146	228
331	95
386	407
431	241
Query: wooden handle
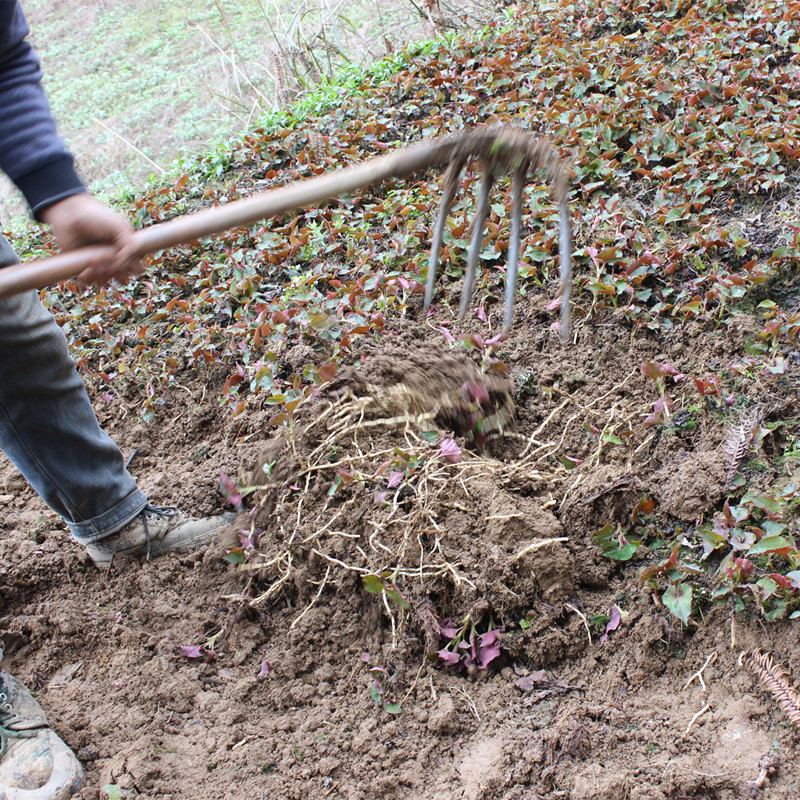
490	143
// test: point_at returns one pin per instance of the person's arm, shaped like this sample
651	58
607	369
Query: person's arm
31	152
34	157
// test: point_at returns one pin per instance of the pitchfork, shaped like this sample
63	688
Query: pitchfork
497	150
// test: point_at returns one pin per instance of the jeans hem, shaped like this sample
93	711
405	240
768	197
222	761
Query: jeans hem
92	530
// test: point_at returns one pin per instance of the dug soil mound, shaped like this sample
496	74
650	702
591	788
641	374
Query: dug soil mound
417	605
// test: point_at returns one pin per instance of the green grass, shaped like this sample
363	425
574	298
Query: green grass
136	85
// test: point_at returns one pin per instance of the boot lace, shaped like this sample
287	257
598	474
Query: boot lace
7	717
157	511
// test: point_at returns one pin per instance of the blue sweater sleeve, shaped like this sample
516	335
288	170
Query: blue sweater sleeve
31	152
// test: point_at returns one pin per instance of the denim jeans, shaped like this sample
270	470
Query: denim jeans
48	427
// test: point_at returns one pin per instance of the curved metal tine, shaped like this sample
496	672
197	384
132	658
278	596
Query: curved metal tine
564	254
481	212
514	243
450	185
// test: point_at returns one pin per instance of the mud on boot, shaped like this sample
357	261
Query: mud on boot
157	530
35	764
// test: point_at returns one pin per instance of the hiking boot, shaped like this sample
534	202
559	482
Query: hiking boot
34	763
157	530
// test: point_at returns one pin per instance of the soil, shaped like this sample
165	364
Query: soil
501	534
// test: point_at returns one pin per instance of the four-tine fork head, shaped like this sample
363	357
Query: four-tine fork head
517	152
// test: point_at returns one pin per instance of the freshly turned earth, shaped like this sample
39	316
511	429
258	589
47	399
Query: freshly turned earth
283	709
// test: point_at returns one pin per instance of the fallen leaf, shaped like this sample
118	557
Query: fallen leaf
533	680
613	623
450	451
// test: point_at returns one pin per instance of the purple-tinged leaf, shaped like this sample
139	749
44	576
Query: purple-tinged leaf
475	340
378	673
652	370
395	479
450	451
490	637
794	577
489	648
192	650
249	539
741	539
230	490
344	476
471	656
381	469
488	654
449	658
613	623
265	668
657	415
722	525
476	392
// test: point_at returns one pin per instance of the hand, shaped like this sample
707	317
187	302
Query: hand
81	220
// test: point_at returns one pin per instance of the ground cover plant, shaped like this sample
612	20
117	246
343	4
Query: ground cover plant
581	602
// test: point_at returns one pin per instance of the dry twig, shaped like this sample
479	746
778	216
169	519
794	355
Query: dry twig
583	617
